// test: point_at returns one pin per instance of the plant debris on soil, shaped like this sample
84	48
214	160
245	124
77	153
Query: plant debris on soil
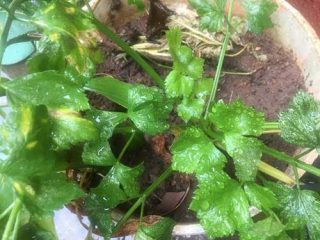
261	73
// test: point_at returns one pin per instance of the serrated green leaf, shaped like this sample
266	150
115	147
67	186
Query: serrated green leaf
99	214
193	152
178	85
119	184
138	3
148	109
211	13
260	197
190	108
174	38
48	88
246	153
161	230
258	14
300	208
69	128
300	123
203	88
267	229
99	152
237	118
221	208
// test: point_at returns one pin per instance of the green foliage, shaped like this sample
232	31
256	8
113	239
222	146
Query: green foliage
258	14
148	109
221	205
70	31
211	13
99	214
47	88
267	229
50	193
237	118
193	153
261	197
138	3
185	80
69	128
119	184
300	208
98	152
300	123
246	154
237	121
161	230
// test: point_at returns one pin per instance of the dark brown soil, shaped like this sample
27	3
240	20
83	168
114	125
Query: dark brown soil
275	80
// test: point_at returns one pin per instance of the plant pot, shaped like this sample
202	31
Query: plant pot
294	34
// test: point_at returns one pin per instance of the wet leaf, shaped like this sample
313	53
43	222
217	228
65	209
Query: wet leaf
190	108
99	214
267	229
299	208
99	152
193	152
261	197
46	88
221	205
237	118
300	123
246	154
148	109
69	29
161	230
119	184
178	85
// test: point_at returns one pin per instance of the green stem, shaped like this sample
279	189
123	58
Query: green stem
113	37
291	160
143	197
5	33
275	173
271	125
16	226
220	62
124	149
300	155
12	220
5	212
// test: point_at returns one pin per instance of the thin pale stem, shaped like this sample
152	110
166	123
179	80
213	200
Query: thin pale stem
124	149
275	173
220	63
5	212
291	160
300	155
12	219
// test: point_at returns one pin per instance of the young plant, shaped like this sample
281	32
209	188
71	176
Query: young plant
50	127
